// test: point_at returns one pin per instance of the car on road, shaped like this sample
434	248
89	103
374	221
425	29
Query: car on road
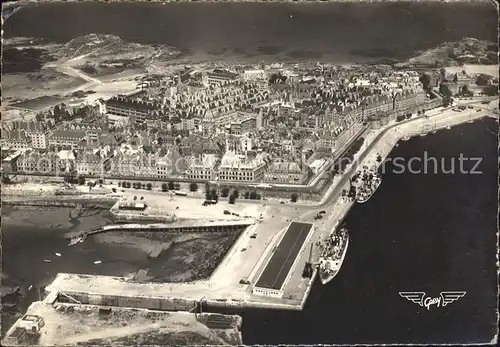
322	212
242	281
253	236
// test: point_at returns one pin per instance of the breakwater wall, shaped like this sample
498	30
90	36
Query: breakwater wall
228	228
54	203
144	302
242	304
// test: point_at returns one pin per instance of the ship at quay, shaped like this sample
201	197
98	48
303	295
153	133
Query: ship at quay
333	254
366	182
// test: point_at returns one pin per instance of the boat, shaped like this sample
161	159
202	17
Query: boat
368	182
75	240
333	254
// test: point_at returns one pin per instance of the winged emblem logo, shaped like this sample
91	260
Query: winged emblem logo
421	299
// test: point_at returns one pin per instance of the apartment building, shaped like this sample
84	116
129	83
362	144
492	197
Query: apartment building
203	167
240	168
408	99
67	138
376	104
36	131
14	140
90	162
285	172
34	162
219	77
136	111
243	126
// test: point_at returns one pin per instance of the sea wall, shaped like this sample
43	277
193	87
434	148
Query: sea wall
54	203
151	303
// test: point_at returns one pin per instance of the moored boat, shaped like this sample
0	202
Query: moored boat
333	254
367	183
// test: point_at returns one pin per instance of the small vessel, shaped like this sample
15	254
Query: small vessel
448	127
47	260
58	254
423	134
366	183
74	241
97	262
406	138
77	239
333	254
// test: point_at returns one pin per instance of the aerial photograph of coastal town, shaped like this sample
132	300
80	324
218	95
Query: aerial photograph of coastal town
254	173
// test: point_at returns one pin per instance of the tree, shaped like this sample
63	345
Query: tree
81	180
193	187
294	197
149	186
225	192
491	90
253	195
135	198
171	185
232	199
446	101
445	90
5	178
425	80
208	196
164	187
213	194
113	190
177	186
236	194
246	195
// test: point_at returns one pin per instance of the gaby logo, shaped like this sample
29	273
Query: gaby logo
427	301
